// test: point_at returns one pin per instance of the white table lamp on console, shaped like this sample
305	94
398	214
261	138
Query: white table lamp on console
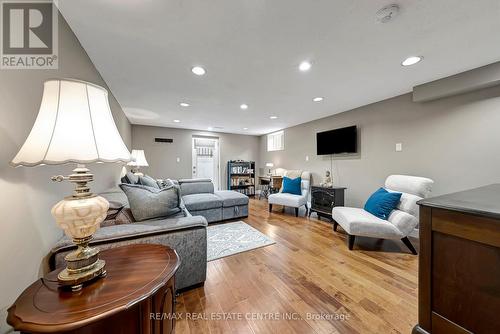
75	125
138	161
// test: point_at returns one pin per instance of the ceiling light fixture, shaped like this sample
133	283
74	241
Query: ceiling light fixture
245	128
411	60
318	99
244	106
198	70
305	66
176	121
273	117
184	104
210	128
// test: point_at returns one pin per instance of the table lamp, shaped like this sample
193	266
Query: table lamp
75	125
138	161
270	165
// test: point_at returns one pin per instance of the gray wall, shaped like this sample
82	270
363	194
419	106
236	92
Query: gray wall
455	141
162	156
28	229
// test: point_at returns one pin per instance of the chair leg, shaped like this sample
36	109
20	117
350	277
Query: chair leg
270	207
335	224
351	241
408	244
296	212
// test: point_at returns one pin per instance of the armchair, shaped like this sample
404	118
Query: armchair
401	222
291	200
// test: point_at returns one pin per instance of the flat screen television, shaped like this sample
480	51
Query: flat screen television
344	140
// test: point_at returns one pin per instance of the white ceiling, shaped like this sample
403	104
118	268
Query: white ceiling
145	49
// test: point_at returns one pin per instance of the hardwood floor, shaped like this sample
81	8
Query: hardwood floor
308	282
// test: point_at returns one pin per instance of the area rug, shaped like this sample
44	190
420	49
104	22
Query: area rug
233	238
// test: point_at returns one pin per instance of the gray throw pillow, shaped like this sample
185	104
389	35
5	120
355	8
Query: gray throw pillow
147	180
147	202
162	183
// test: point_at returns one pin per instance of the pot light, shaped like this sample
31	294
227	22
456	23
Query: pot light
184	104
318	99
245	128
273	117
411	60
305	66
198	70
176	121
210	128
244	106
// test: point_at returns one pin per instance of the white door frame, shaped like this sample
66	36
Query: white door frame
217	179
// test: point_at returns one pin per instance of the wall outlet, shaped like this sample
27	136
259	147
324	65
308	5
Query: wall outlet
307	158
399	147
178	159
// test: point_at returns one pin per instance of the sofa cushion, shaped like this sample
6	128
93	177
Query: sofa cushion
203	201
122	232
356	221
232	198
147	203
287	199
196	186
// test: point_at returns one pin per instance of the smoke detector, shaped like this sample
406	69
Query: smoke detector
387	13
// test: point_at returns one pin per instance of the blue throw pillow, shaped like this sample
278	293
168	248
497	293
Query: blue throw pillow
291	186
382	202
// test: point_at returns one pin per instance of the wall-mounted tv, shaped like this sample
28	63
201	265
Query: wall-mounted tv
344	140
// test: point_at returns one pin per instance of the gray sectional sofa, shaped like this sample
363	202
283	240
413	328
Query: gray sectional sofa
185	232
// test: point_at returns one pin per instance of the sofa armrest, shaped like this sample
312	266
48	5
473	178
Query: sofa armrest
196	186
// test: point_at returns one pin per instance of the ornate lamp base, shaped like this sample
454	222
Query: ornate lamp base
83	265
79	216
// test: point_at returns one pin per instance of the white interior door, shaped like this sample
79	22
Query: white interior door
206	159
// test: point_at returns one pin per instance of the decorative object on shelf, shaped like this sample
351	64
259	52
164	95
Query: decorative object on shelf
75	124
324	199
327	181
269	165
241	176
138	161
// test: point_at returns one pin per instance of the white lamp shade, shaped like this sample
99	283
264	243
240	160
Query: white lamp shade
138	159
74	124
269	164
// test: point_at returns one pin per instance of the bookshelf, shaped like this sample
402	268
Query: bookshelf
241	176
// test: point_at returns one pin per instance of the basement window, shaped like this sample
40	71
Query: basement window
276	141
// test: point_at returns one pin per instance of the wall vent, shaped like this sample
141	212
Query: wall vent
164	140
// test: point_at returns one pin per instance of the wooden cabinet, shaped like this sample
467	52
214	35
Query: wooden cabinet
323	200
459	263
136	296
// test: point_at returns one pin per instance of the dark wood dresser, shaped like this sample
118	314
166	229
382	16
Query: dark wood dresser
323	199
459	264
136	296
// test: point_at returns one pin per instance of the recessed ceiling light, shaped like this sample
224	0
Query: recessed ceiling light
198	70
305	66
244	106
210	128
318	99
273	117
411	60
245	128
184	104
176	121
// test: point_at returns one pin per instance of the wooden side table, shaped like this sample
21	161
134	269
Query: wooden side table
136	296
323	199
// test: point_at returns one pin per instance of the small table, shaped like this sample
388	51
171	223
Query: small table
136	296
323	199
